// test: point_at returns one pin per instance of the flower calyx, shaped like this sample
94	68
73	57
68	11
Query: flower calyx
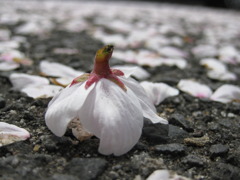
102	70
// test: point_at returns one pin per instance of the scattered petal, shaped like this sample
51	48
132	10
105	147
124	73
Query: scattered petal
203	51
21	80
157	92
226	93
229	54
217	70
171	52
58	70
165	175
194	88
41	91
10	133
8	66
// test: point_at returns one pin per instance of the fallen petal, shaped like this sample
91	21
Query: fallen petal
194	88
41	91
157	92
58	70
226	93
10	133
21	80
8	66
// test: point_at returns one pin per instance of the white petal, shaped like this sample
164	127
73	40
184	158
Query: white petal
65	106
10	133
202	51
213	64
21	80
222	76
149	111
41	91
171	52
8	66
159	175
58	70
135	71
226	93
114	116
229	54
157	92
194	88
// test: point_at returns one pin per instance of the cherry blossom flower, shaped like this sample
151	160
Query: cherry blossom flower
194	88
10	133
106	103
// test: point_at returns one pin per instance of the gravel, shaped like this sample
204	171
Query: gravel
202	138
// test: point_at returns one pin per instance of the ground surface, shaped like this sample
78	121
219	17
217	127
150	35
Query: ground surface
202	140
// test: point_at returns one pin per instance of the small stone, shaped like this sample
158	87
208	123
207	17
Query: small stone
194	141
179	120
144	163
155	133
176	133
193	160
218	150
225	171
172	149
2	102
36	148
63	177
225	122
86	168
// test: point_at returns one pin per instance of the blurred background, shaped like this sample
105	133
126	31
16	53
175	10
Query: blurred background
231	4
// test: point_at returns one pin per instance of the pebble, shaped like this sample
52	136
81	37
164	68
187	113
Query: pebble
195	141
176	133
218	150
179	120
2	102
172	149
144	163
86	168
156	133
225	171
193	160
62	177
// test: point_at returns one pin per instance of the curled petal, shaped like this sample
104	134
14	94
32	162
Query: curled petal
226	93
10	133
157	92
114	116
149	111
64	107
194	88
